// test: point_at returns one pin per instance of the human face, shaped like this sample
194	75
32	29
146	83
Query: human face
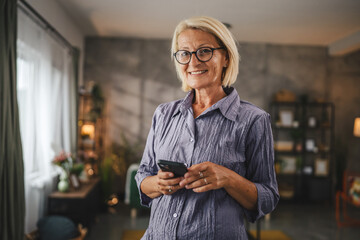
201	75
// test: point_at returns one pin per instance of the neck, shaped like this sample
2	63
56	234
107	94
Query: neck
205	98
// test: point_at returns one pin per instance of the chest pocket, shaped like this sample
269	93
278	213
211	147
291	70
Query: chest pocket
224	155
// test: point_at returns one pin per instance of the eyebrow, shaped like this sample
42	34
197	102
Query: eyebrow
200	46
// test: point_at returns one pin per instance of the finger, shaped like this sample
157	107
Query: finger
198	183
170	181
165	175
168	190
201	167
204	188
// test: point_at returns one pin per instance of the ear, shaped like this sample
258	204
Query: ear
226	62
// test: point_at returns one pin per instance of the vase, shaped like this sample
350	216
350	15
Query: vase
63	185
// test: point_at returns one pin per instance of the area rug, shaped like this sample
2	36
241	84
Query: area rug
265	235
132	234
270	235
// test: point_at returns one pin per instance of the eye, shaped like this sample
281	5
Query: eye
204	51
184	53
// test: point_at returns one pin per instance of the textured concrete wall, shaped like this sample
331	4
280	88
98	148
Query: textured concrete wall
344	82
138	74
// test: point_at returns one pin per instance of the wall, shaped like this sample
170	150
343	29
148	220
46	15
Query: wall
62	22
138	74
344	78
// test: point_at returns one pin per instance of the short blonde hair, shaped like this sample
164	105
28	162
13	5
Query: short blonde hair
222	35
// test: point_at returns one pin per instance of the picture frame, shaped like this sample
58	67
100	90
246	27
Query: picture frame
286	118
74	180
288	164
321	167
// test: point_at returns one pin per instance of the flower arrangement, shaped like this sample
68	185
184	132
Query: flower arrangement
64	160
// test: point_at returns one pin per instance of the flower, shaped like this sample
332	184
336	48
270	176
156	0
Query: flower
63	160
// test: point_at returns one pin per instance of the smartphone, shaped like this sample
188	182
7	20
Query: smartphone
179	169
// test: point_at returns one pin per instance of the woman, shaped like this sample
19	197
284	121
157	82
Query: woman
226	142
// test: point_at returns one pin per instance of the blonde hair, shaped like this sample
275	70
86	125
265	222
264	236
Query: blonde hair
222	35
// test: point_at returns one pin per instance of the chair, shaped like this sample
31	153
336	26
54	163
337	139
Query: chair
349	196
132	197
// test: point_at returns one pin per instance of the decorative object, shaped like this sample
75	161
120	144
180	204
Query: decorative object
288	164
285	95
321	167
307	170
312	122
310	145
286	118
74	181
63	185
357	127
65	162
284	146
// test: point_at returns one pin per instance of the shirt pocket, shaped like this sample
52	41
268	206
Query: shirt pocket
224	155
233	159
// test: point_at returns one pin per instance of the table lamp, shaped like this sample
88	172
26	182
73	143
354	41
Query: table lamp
88	130
357	127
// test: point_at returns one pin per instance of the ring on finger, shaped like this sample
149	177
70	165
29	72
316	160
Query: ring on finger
201	174
170	190
205	181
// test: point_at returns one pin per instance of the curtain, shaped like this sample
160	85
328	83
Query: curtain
47	104
12	207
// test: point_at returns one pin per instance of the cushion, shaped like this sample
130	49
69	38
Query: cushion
57	228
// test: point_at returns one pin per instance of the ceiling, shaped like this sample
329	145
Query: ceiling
332	23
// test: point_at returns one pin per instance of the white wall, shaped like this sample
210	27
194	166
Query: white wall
62	22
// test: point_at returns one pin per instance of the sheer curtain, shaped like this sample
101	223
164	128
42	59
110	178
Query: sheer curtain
47	105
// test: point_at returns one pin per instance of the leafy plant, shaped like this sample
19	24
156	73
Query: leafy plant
97	102
113	168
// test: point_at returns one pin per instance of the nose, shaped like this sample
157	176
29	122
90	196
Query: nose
193	59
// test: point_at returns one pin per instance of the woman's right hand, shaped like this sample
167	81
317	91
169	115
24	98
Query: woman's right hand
162	183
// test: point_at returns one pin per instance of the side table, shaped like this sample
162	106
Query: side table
80	205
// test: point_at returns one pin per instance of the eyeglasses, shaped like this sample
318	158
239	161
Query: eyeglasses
203	54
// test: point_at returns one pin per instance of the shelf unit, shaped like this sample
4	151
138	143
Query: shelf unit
304	145
91	129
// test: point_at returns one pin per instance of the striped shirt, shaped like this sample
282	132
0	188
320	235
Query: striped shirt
232	133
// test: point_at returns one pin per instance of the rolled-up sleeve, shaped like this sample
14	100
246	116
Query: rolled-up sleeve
261	171
148	163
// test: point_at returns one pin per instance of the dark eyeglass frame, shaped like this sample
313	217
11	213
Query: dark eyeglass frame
196	54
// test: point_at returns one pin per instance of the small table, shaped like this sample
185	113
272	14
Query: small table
80	205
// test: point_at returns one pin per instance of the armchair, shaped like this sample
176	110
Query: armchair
348	197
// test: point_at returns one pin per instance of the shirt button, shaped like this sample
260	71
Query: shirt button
191	139
175	215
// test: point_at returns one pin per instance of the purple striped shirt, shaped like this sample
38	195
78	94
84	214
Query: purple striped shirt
232	133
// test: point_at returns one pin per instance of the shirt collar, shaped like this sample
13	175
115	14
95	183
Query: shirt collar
228	105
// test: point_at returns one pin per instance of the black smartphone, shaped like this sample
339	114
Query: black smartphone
179	169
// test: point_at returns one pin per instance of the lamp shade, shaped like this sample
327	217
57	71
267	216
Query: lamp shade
88	129
357	127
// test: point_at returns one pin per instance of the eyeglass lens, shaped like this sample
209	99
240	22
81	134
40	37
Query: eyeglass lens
202	54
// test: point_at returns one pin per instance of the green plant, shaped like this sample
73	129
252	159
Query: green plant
113	168
97	102
77	168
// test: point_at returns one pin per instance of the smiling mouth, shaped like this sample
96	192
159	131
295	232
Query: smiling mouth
198	72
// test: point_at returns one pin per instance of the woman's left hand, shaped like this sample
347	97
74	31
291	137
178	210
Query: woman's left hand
206	176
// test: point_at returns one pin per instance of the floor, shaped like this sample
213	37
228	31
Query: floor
298	221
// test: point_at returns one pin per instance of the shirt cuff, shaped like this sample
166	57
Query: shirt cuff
264	205
144	199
